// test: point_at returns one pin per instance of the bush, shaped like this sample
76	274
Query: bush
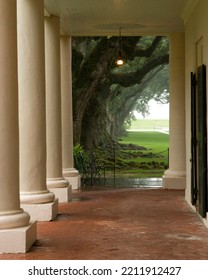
78	151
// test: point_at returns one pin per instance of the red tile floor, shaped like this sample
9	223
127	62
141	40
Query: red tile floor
128	224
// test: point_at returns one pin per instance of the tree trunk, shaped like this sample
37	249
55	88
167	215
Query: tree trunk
99	113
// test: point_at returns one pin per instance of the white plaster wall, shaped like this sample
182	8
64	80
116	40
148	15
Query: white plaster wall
196	27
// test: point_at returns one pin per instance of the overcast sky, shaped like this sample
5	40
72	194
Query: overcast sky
157	111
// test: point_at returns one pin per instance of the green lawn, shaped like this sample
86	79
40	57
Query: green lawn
141	154
146	124
156	141
151	162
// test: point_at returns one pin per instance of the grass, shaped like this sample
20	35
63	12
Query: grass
141	154
148	124
152	140
151	162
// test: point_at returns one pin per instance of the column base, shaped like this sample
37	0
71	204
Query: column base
205	220
16	219
61	189
42	212
36	197
174	179
73	176
18	240
63	194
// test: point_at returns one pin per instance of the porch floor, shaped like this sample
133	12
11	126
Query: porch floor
121	224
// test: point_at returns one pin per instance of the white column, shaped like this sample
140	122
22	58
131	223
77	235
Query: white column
69	171
16	234
55	181
175	176
34	195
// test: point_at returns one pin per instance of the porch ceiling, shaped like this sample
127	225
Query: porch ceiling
104	17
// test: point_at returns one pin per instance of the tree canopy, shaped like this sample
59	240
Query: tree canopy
104	96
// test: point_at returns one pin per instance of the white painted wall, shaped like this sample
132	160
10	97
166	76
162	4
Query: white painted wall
196	27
